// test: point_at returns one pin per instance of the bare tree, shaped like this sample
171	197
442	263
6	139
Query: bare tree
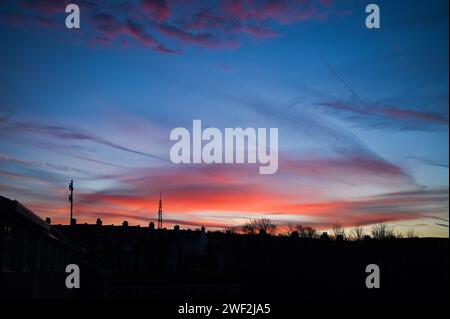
311	232
251	227
229	229
357	233
259	225
338	231
382	231
411	233
305	231
301	231
292	230
267	226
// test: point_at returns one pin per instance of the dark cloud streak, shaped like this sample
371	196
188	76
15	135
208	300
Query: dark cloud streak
64	133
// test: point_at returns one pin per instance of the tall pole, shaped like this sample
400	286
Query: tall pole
71	201
160	220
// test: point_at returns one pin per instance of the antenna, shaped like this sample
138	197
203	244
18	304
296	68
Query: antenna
160	219
71	201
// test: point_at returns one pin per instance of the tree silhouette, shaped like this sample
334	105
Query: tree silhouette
399	235
251	227
230	230
382	231
305	231
357	233
338	231
259	225
411	233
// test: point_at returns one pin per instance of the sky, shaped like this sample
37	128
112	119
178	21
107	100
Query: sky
362	114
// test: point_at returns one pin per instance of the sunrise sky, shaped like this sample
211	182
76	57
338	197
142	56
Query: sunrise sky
362	114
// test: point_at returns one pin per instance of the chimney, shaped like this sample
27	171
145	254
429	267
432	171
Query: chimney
99	222
73	222
125	223
151	225
48	220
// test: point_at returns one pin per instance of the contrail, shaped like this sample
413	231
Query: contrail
355	95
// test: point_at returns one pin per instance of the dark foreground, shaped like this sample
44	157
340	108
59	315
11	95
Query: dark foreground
176	266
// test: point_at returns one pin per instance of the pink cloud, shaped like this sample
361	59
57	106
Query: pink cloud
15	19
225	67
389	112
397	113
151	23
356	168
203	39
159	9
110	29
234	188
45	6
258	32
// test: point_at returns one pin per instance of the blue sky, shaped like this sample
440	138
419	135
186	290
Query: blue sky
362	114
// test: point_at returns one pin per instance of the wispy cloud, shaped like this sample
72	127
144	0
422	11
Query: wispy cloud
65	133
383	115
408	205
56	167
356	169
428	161
303	122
